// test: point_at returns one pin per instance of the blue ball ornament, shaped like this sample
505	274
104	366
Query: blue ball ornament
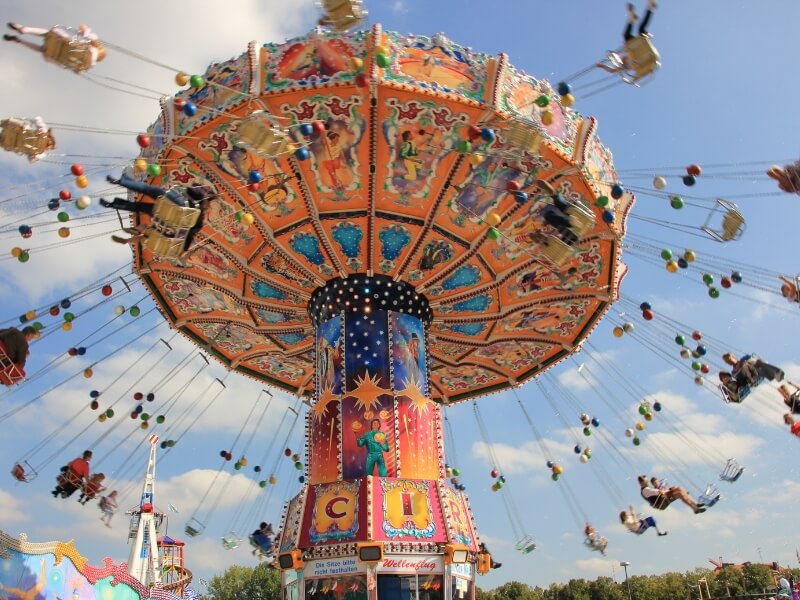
689	180
577	449
53	204
94	394
151	396
66	303
254	176
164	445
23	318
521	197
81	351
190	109
301	479
608	217
682	263
595	421
306	129
701	350
302	154
139	409
223	453
645	306
736	277
657	406
502	479
563	88
257	469
550	464
616	191
488	135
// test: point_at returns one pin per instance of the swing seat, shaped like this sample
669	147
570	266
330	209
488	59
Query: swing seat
69	483
194	528
262	552
733	223
69	52
710	497
581	220
20	137
261	137
523	135
643	58
10	372
731	398
526	545
555	251
341	15
169	228
596	544
732	471
23	472
230	542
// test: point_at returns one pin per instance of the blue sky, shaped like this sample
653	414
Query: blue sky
724	96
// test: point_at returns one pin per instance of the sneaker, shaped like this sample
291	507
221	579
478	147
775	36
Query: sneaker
660	533
700	509
14	26
106	203
779	375
110	179
55	493
10	38
119	240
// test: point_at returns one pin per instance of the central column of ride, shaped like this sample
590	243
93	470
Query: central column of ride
376	515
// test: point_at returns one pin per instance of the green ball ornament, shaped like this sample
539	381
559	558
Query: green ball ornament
696	365
602	201
708	279
587	432
160	419
109	413
237	216
542	101
62	217
382	60
262	483
680	339
170	443
38	326
135	311
69	317
493	233
676	202
554	476
642	410
196	81
463	146
666	254
713	292
637	441
144	416
298	465
456	472
23	256
153	170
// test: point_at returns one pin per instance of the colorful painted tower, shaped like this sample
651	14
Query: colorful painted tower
376	515
143	561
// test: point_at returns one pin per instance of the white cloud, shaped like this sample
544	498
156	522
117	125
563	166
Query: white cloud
12	509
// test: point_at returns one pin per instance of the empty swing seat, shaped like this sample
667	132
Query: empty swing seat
526	545
710	497
555	251
581	220
523	135
19	136
230	542
341	15
643	56
69	52
170	227
732	471
260	136
732	225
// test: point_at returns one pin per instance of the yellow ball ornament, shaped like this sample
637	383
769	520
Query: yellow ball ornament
181	78
30	315
66	325
672	266
639	426
547	117
567	100
140	165
648	416
247	219
63	232
16	251
493	219
618	331
88	373
356	63
81	181
476	159
689	256
102	418
381	50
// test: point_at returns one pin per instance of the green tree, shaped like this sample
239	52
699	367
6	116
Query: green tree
605	588
729	582
481	594
758	578
260	583
514	590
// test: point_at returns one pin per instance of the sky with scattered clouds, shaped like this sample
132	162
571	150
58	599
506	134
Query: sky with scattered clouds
723	99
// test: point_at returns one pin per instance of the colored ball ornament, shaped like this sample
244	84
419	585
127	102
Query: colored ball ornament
645	306
456	471
140	165
65	303
139	409
494	487
463	146
602	201
657	406
62	217
106	290
567	100
66	326
301	479
306	129
704	368
38	326
676	202
362	80
686	353
72	352
25	231
694	170
253	187
689	180
595	422
170	443
502	478
629	432
648	416
690	256
680	339
76	169
628	327
382	60
228	456
237	216
639	426
88	373
318	127
254	176
272	480
150	397
356	63
143	140
587	432
558	469
102	417
222	453
295	457
65	195
698	380
119	310
138	396
68	316
521	197
476	159
577	449
682	264
144	416
608	217
248	219
53	204
713	292
179	103
81	181
708	279
647	315
542	101
563	88
196	81
583	458
725	282
736	277
302	154
110	413
298	466
94	405
512	186
643	410
237	466
190	109
153	170
499	484
618	332
94	394
550	464
135	311
262	483
701	350
617	191
666	254
257	469
144	425
585	419
548	118
63	232
288	452
493	219
83	202
671	266
81	351
54	310
488	135
696	365
493	233
659	182
554	476
637	441
163	444
181	78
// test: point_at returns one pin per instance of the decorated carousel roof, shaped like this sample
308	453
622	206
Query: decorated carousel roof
364	201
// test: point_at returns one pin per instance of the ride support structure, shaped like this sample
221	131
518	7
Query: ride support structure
143	560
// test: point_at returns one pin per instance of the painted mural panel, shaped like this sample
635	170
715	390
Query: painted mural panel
336	512
407	510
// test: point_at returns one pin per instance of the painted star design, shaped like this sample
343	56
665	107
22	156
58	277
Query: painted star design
419	402
320	409
367	392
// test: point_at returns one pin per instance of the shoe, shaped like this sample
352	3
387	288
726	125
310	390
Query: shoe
131	230
106	203
55	493
652	4
119	240
497	565
699	509
779	375
10	38
110	179
660	533
14	26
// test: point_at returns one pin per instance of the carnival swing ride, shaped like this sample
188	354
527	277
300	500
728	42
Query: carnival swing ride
382	226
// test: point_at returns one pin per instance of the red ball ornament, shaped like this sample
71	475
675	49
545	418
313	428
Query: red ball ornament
138	396
72	352
94	405
647	315
106	290
288	452
697	336
512	186
143	140
494	473
253	187
179	103
76	169
228	456
54	310
318	127
725	282
694	170
362	80
473	132
704	368
65	195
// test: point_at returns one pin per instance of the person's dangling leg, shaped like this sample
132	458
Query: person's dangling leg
150	191
651	6
632	18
